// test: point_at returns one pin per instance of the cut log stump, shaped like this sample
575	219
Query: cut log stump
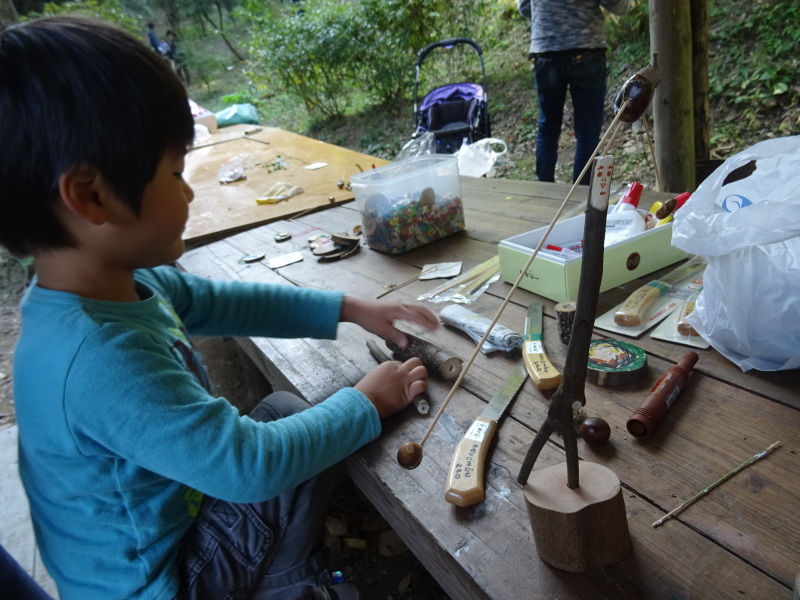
577	530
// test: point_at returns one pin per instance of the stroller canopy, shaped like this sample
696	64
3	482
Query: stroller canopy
453	91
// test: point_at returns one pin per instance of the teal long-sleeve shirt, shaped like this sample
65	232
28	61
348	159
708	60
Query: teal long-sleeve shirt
119	437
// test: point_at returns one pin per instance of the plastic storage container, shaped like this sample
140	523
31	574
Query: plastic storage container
409	203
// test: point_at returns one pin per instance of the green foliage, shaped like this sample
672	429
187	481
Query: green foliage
238	98
106	10
337	53
310	56
628	37
753	65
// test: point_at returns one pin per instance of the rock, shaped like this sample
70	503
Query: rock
355	543
335	526
390	544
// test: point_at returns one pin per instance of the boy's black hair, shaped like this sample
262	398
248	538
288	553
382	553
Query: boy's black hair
76	92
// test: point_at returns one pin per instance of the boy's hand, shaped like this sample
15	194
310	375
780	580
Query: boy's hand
392	385
379	317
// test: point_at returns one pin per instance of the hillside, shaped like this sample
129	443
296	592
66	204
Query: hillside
753	85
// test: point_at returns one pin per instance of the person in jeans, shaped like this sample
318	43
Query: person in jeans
143	484
568	50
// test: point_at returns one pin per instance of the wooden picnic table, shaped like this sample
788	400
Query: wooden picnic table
742	540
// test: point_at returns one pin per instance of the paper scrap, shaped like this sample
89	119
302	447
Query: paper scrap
440	270
284	259
279	192
315	166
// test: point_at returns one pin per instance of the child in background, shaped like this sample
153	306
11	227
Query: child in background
141	483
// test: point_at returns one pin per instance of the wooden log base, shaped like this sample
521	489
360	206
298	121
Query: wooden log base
577	530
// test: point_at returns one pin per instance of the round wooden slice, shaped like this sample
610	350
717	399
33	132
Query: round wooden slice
612	362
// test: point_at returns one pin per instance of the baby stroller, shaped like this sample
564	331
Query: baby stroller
455	111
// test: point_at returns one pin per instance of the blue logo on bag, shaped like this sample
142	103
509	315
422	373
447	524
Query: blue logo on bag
734	202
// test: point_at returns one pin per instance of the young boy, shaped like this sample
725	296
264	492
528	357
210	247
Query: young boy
141	483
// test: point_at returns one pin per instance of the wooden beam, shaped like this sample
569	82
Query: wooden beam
702	116
671	38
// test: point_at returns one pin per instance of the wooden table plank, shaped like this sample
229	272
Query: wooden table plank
221	209
742	539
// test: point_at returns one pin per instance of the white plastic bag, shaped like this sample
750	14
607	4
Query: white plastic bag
417	146
478	158
749	230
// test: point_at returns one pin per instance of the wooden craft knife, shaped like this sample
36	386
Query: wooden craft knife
541	370
465	479
632	312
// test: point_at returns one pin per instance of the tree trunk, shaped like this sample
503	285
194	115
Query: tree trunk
702	117
671	38
8	13
225	39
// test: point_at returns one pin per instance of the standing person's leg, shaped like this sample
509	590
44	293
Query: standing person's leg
272	549
551	91
588	92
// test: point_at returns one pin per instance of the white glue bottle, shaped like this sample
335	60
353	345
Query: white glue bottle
625	220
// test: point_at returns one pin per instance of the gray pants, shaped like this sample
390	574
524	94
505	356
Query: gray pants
266	550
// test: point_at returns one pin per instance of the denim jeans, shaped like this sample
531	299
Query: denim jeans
266	550
583	72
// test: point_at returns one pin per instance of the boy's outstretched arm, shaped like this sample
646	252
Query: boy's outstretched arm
379	317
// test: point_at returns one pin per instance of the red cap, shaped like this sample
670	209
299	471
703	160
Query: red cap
681	200
633	194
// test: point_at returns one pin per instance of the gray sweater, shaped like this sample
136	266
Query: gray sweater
567	24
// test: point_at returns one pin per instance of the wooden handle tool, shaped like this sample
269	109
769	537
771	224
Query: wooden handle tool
634	310
684	328
465	479
541	370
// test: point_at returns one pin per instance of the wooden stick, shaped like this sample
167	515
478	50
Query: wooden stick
490	266
653	156
522	273
393	286
758	456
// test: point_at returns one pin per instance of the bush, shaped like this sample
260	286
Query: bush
332	49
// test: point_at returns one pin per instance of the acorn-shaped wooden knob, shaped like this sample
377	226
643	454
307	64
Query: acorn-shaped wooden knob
595	431
638	92
410	455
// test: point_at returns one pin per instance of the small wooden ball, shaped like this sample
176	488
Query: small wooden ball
595	431
410	455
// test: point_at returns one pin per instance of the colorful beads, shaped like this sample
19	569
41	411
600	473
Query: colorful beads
406	223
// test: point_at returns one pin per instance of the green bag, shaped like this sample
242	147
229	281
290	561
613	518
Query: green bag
236	114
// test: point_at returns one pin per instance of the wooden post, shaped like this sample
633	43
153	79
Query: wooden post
671	38
702	117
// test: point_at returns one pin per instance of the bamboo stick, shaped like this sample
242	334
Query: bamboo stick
704	491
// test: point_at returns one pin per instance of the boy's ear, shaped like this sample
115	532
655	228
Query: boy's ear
85	194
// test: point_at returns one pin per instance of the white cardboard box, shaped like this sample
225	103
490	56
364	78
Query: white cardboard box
557	277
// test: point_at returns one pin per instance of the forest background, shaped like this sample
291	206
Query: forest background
343	71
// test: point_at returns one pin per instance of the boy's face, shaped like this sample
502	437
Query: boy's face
158	231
